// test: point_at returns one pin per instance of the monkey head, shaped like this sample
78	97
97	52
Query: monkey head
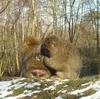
50	46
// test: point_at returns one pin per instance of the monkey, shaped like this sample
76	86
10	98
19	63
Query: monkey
31	61
35	68
61	56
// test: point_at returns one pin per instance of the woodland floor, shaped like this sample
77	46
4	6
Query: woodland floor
25	88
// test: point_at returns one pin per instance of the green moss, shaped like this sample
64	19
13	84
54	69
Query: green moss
18	91
74	84
89	92
67	96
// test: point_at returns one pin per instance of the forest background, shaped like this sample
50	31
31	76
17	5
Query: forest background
75	20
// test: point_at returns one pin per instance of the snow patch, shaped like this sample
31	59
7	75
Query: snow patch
59	97
80	91
7	88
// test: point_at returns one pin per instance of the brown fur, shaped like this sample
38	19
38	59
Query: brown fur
31	60
62	57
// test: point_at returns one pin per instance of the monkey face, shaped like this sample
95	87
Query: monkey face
37	73
45	51
35	68
50	46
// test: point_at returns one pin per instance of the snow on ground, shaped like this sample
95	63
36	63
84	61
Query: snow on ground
95	86
91	85
8	88
80	91
94	96
59	97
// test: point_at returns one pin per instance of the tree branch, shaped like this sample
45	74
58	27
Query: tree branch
5	7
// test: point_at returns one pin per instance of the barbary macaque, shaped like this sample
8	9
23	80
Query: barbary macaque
61	56
35	68
31	61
